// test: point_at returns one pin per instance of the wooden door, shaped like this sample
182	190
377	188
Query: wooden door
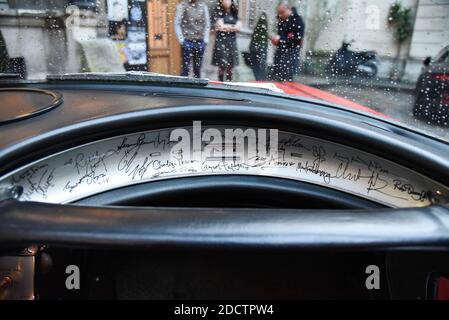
164	50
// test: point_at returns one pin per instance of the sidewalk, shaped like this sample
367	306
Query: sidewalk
243	74
380	83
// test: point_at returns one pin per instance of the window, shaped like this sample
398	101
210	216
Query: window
247	13
37	4
84	4
4	4
47	4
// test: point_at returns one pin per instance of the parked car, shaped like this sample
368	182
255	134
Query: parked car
432	89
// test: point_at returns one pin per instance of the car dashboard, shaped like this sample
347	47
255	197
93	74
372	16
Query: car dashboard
90	176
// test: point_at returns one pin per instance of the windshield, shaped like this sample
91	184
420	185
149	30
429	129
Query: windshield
385	58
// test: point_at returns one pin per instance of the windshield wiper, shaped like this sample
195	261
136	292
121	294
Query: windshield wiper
130	76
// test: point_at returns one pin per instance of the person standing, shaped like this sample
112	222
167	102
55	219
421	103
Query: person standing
288	41
192	27
225	54
119	35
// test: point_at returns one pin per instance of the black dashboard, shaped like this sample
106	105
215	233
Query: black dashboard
91	179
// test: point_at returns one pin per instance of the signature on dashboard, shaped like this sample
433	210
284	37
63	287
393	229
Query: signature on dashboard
146	156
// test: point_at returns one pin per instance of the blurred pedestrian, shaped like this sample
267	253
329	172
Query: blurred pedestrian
192	27
288	41
119	34
225	54
119	30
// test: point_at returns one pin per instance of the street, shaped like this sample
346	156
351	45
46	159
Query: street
393	100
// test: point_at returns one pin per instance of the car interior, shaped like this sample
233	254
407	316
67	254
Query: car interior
223	158
88	178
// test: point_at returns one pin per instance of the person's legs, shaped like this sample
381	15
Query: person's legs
283	68
278	69
186	57
289	70
292	64
229	73
198	54
221	73
296	61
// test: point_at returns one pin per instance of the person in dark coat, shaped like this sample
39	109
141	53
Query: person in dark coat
192	27
288	41
225	54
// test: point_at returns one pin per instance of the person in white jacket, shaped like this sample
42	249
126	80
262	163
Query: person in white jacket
192	27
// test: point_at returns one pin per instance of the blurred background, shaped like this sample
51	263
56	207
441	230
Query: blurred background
48	33
43	37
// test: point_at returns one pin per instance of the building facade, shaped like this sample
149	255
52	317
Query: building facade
53	35
45	32
330	22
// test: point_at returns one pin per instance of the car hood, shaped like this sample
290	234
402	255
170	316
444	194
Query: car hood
303	91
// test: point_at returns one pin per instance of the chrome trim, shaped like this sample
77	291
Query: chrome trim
143	157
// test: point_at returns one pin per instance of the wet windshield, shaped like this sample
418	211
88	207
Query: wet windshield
385	58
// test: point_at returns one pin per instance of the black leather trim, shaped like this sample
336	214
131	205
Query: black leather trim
27	222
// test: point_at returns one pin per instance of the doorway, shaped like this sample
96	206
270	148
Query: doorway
163	46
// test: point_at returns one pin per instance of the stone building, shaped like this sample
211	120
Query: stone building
45	32
54	36
365	22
